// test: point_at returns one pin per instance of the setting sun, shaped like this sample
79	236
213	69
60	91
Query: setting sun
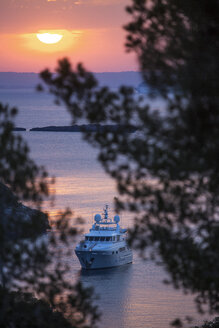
49	38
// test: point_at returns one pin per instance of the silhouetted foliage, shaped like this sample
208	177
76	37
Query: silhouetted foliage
26	179
210	324
31	262
168	172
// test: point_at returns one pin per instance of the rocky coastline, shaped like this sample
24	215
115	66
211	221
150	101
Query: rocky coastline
19	221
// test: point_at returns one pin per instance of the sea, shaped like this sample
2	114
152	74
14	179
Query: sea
130	296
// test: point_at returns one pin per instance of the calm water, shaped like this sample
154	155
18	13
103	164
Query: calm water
132	295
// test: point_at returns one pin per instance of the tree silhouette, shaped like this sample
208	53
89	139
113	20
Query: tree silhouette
34	291
168	172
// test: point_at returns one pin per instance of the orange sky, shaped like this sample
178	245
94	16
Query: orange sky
92	34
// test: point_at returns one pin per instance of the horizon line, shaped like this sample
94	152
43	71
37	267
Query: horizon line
104	72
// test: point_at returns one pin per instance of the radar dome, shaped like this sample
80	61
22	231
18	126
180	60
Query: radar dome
97	218
116	218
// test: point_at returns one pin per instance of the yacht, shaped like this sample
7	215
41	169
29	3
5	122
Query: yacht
105	245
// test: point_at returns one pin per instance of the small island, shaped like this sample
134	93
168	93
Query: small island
19	129
114	128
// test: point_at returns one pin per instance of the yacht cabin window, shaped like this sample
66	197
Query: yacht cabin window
99	238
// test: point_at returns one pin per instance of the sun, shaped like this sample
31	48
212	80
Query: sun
51	41
49	38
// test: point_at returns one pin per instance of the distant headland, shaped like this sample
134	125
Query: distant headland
114	128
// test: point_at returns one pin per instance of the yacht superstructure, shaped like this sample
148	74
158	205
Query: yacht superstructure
105	245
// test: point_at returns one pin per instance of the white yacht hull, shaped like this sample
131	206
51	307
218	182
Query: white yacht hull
103	259
104	246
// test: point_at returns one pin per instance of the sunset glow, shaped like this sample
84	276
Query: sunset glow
49	38
87	31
